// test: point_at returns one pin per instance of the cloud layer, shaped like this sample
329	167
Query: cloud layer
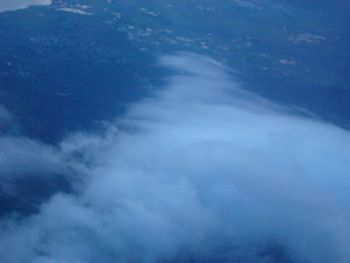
200	172
10	5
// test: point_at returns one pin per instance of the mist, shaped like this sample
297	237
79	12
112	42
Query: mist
201	171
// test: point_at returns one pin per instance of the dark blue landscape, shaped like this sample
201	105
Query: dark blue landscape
174	131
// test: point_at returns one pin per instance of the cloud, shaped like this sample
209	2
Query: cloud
10	5
74	11
30	172
6	119
202	171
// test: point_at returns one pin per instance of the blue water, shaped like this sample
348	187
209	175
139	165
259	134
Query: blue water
60	74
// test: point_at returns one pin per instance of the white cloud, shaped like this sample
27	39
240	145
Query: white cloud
201	169
74	11
6	118
10	5
20	155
